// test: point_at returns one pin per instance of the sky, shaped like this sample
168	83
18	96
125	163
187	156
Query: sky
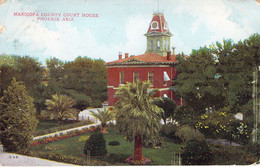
120	26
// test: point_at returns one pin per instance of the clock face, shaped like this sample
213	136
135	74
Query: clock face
154	25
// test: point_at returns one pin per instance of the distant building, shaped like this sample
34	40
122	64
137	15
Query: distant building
157	65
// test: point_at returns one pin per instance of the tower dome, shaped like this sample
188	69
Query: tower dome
158	35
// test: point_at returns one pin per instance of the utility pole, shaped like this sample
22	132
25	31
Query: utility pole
256	104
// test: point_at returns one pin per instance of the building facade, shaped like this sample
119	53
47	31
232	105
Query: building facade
157	65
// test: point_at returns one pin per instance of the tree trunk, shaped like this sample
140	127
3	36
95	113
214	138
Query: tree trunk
104	128
138	154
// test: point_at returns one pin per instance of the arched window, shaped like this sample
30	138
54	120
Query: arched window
167	45
151	45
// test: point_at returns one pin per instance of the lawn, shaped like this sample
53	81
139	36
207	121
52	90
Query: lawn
46	124
116	154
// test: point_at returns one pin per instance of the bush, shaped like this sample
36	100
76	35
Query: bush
169	131
114	143
187	134
230	155
156	142
254	148
96	145
197	153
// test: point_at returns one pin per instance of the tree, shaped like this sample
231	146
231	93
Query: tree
136	115
17	117
168	105
60	107
103	116
83	79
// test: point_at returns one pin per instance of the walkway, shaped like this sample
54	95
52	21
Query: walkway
10	159
65	131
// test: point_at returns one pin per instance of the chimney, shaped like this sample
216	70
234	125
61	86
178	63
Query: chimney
120	56
173	50
126	55
168	55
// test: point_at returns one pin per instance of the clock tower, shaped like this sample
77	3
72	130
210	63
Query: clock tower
158	36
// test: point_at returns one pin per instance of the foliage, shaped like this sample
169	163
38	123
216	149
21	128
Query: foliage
83	79
114	143
103	116
220	76
169	131
25	69
229	155
168	105
222	123
17	117
155	143
186	134
253	148
197	153
95	145
137	117
60	107
136	114
186	115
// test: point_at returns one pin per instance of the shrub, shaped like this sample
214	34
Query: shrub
96	145
169	131
230	155
187	134
197	153
114	143
156	142
254	148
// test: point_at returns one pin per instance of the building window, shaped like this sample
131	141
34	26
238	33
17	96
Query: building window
122	77
164	44
136	76
151	45
158	44
150	77
165	78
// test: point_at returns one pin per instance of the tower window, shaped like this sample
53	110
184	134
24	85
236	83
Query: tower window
151	45
158	44
167	45
150	77
122	77
136	76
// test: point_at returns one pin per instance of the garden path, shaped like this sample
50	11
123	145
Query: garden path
67	130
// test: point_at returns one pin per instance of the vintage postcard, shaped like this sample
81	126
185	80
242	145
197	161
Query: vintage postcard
129	82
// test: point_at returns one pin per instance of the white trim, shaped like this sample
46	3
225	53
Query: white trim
134	66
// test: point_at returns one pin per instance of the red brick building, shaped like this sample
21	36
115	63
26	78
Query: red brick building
157	65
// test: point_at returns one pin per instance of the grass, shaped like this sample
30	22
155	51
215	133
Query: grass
116	154
50	126
46	124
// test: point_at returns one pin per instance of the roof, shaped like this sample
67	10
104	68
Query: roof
162	26
147	58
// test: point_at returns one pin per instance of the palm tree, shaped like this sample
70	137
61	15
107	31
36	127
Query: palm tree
103	116
60	107
137	116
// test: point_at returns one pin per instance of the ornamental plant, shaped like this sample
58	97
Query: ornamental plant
95	145
17	117
197	153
